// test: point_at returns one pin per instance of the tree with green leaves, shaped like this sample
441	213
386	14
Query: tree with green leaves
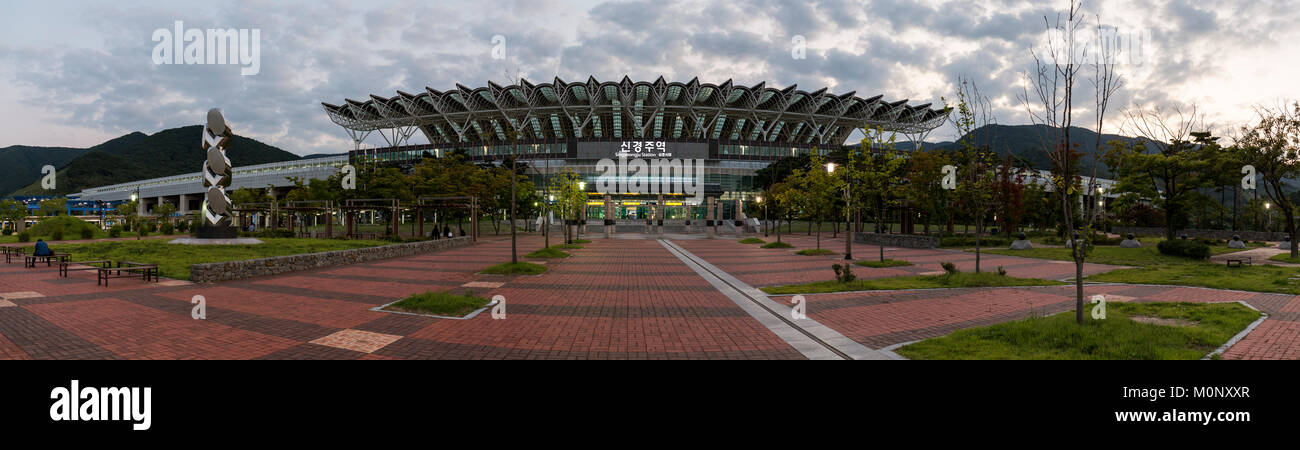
570	200
923	188
874	176
12	211
816	191
1170	166
973	197
164	210
1272	145
53	206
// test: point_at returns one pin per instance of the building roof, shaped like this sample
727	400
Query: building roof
627	109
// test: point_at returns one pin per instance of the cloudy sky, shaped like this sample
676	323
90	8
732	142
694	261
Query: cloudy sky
75	73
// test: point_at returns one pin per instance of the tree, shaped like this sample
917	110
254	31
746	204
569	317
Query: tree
1273	146
1009	196
52	206
165	210
816	191
1181	163
570	200
925	171
975	181
1051	104
12	211
875	174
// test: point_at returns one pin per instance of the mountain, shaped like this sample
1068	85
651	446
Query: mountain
136	156
1025	142
20	165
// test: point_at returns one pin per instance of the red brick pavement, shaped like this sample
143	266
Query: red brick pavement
769	267
614	299
611	300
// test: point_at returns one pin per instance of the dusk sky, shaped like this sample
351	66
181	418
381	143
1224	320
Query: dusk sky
75	73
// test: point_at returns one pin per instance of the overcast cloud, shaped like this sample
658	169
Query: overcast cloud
78	73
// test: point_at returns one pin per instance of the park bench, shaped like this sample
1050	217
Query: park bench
145	271
29	261
1239	260
65	266
11	252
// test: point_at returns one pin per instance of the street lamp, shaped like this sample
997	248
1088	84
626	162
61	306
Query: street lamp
759	199
848	237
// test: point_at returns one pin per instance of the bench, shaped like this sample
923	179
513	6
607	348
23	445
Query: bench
1239	260
64	266
146	271
29	261
11	252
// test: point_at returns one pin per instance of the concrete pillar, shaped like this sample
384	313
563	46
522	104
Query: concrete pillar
659	216
711	203
609	216
183	204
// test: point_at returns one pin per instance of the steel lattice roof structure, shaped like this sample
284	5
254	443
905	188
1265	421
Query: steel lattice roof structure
627	109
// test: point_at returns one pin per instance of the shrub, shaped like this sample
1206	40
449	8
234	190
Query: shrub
843	273
25	236
87	233
283	233
815	252
57	234
115	231
8	231
167	228
950	268
126	226
752	241
777	245
1185	248
1002	271
885	263
969	241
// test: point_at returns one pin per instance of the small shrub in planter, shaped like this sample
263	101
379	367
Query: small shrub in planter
777	245
87	233
24	237
116	231
843	273
167	228
1185	248
950	268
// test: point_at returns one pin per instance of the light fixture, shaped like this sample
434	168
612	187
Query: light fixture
830	167
582	185
1267	205
759	199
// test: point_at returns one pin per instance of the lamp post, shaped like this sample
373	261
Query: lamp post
848	237
135	197
760	201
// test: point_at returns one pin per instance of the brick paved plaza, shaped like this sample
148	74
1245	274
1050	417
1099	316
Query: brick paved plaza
614	299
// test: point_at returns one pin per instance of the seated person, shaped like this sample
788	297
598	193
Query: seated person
42	249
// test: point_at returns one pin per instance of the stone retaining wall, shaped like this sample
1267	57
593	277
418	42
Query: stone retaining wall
896	240
234	270
1212	234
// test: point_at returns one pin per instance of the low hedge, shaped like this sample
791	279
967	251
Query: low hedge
1185	248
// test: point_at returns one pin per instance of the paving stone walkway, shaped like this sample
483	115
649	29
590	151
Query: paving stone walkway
614	299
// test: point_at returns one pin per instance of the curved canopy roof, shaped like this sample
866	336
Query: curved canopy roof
627	109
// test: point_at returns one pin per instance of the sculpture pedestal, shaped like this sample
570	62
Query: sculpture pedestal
216	232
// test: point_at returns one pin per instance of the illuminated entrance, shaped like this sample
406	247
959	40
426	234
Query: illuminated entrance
632	208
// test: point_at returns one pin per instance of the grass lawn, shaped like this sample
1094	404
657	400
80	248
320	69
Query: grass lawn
881	264
519	268
751	241
1147	255
1284	257
815	252
549	252
1256	278
568	246
1190	331
174	260
442	303
777	245
983	279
